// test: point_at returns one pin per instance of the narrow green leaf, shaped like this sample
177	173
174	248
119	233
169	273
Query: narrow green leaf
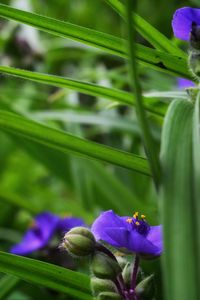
149	143
150	33
179	260
161	61
196	177
60	279
80	86
65	142
7	285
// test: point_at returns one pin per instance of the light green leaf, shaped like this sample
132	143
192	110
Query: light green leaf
161	61
179	260
65	142
60	279
150	33
80	86
196	178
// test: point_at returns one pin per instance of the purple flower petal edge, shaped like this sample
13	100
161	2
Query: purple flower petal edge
182	21
184	83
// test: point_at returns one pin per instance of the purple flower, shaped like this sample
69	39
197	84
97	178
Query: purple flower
183	21
133	234
38	235
184	83
45	226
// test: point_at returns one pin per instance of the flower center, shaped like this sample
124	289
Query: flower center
140	225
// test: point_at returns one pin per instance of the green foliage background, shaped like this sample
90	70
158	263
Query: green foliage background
71	142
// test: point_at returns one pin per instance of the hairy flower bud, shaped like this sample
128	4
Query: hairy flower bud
145	288
101	285
79	241
104	267
109	296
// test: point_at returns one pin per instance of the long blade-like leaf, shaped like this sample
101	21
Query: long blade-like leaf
60	279
68	143
150	33
178	203
111	44
80	86
151	149
196	177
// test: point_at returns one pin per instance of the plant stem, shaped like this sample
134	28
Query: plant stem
149	143
135	271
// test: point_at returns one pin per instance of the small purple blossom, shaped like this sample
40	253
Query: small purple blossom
183	20
184	83
44	227
133	234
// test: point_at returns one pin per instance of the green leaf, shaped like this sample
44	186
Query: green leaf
161	61
80	86
149	143
196	178
65	142
7	285
150	33
179	260
14	200
60	279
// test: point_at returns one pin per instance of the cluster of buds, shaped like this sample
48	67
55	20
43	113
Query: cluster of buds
111	278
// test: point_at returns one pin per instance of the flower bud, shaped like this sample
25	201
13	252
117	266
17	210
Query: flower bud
79	241
104	267
145	288
121	261
127	273
109	296
101	285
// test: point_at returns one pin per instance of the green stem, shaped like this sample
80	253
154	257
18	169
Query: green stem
149	143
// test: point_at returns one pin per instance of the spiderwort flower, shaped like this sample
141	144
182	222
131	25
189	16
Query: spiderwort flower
183	21
132	233
44	227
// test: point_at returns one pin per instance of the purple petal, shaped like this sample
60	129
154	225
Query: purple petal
182	22
68	223
131	240
155	236
184	83
117	232
107	219
37	237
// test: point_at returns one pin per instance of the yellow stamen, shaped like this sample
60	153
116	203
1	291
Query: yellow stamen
129	220
143	216
136	214
137	223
